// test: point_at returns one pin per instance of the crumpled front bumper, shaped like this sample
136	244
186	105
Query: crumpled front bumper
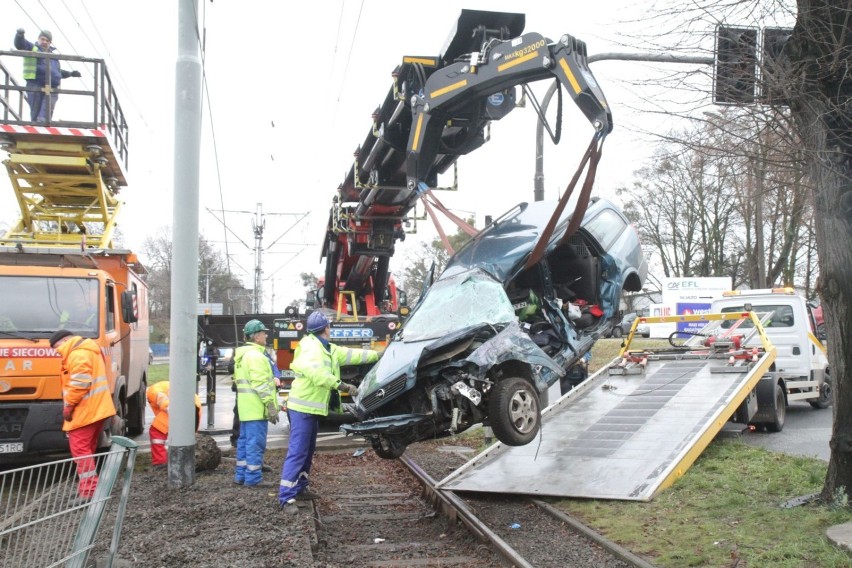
388	425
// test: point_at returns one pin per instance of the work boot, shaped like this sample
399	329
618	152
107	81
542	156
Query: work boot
290	507
307	495
262	485
265	468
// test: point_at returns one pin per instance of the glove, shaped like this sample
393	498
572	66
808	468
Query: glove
67	413
21	31
75	74
352	390
272	413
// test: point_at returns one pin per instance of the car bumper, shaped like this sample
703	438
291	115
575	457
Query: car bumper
389	425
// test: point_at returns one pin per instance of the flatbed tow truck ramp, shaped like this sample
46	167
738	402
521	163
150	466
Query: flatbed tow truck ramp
636	426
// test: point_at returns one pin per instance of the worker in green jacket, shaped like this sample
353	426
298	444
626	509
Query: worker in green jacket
316	365
257	404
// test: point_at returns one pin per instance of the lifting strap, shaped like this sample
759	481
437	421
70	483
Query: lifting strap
592	156
428	196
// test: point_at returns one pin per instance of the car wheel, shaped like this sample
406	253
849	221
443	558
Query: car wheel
616	332
388	448
824	400
514	411
779	411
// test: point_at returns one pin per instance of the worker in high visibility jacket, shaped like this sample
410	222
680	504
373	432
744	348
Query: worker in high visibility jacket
257	404
316	365
37	71
87	402
158	399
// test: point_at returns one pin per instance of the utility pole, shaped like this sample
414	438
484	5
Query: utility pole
257	225
184	285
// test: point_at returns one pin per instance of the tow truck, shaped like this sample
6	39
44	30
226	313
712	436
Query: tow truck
438	108
59	264
635	427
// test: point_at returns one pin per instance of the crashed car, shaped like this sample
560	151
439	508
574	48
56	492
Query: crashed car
492	334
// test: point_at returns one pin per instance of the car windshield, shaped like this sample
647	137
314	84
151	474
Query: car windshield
465	299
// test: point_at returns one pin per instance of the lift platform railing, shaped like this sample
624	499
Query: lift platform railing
43	521
95	106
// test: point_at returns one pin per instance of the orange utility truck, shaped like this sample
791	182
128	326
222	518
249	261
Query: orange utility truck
59	267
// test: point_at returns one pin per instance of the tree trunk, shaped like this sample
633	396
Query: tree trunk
820	51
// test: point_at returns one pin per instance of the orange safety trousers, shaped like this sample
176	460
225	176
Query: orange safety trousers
84	442
159	455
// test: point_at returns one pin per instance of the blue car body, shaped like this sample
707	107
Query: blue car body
492	333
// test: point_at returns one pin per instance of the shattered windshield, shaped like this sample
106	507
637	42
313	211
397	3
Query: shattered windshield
463	300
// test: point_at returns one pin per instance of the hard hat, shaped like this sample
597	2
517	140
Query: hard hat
317	322
253	326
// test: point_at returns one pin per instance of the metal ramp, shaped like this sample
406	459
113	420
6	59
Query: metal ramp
623	435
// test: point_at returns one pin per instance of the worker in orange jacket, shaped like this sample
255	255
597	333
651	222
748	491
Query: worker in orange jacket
158	398
87	402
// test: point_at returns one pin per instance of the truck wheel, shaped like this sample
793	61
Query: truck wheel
388	448
779	411
136	412
514	411
824	400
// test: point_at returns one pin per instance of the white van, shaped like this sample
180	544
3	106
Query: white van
801	367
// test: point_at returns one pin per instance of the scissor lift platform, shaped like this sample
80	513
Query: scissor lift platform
624	435
63	178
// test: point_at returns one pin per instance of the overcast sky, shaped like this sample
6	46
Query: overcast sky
291	90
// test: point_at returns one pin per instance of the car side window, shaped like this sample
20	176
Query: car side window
606	227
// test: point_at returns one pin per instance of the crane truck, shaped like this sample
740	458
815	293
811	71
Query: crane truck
437	109
60	267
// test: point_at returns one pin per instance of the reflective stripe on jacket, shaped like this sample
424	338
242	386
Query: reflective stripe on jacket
254	380
317	373
158	399
84	383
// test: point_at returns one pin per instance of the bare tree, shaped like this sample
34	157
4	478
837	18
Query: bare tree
818	85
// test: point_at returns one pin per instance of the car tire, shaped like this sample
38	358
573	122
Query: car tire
388	448
779	411
514	411
825	396
616	332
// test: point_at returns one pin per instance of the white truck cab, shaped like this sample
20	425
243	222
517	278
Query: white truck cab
801	367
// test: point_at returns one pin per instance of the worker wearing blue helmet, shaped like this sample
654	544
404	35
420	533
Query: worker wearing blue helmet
316	366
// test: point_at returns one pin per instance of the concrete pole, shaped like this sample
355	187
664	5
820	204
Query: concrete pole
184	349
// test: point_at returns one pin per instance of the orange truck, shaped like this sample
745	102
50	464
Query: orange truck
98	295
59	266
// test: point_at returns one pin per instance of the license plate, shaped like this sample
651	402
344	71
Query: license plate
12	448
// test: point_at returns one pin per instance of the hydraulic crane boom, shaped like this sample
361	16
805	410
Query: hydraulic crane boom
438	109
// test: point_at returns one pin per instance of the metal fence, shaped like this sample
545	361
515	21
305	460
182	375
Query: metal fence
44	523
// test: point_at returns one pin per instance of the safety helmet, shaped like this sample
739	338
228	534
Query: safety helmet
317	322
253	326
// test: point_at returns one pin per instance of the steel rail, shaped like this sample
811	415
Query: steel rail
454	508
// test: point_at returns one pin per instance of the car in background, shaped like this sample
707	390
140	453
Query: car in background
499	327
643	330
623	327
225	360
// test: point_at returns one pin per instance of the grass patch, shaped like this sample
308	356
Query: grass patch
157	373
727	509
605	350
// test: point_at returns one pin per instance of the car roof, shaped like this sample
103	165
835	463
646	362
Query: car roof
501	247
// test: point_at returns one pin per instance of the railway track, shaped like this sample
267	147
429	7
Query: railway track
375	512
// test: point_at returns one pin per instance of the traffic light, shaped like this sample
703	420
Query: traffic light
773	63
736	62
